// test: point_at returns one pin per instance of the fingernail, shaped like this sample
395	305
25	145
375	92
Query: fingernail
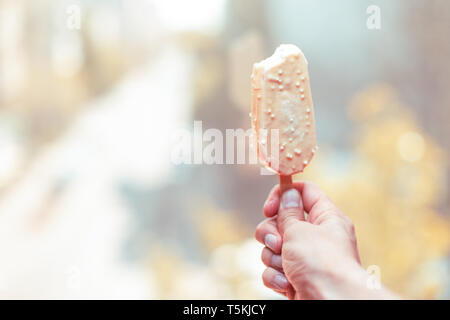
276	261
290	199
280	281
271	241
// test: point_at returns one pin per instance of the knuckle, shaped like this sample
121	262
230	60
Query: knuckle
289	214
265	277
263	229
292	252
309	182
261	226
265	256
259	234
351	226
290	232
349	223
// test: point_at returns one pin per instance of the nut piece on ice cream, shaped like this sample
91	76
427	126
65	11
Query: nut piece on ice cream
281	99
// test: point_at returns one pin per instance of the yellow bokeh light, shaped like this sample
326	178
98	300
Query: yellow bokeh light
411	146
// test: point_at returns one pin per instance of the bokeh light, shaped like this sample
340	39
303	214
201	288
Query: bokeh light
91	205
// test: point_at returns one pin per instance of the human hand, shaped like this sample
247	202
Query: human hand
312	258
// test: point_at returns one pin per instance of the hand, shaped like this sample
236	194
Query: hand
312	258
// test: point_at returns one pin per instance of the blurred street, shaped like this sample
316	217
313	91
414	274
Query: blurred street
91	205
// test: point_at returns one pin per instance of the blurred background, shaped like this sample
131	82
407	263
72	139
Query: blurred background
91	205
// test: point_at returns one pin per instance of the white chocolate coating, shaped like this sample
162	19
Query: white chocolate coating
281	99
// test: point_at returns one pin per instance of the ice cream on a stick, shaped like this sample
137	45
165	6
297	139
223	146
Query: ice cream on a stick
281	99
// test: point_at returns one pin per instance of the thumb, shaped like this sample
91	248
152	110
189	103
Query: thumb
291	209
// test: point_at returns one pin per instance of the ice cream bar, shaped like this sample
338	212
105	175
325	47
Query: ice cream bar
281	99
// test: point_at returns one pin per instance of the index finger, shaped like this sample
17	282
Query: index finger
272	202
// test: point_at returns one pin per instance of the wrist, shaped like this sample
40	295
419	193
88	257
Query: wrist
337	282
349	281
